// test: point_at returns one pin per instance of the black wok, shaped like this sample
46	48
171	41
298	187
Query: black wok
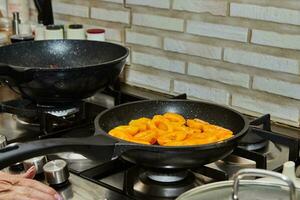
60	71
153	156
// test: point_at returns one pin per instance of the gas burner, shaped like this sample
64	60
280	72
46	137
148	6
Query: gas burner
63	113
165	177
148	184
60	110
26	121
275	154
50	119
255	146
69	156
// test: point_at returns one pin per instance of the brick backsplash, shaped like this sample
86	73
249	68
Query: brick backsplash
240	53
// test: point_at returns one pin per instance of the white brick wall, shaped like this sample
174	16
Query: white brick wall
115	1
265	13
153	81
220	75
262	61
143	39
158	62
113	34
217	30
211	49
156	21
280	111
151	3
215	7
192	48
275	86
202	92
276	39
106	14
70	9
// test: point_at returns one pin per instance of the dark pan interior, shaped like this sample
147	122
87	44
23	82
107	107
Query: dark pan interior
60	53
211	113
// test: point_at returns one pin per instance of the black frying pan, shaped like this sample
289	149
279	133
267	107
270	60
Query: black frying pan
60	71
153	156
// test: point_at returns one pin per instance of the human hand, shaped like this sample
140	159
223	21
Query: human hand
22	187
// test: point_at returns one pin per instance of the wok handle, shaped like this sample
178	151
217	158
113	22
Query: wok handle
98	147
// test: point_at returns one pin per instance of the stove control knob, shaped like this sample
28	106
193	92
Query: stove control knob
38	162
3	141
56	172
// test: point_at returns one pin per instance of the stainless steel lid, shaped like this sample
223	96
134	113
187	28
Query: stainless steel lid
245	189
3	141
56	172
38	162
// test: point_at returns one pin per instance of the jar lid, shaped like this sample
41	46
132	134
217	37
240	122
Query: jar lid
75	26
53	27
95	31
21	38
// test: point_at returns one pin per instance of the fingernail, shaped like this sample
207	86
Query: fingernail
31	168
58	197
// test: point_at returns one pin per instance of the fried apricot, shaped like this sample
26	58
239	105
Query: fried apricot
141	123
171	129
175	118
148	136
127	129
160	124
196	123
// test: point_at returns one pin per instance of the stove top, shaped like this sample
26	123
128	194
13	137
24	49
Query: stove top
118	179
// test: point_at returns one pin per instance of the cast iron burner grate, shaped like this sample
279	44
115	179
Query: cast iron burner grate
50	118
254	141
138	185
153	185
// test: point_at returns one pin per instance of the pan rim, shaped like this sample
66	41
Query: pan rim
22	68
176	148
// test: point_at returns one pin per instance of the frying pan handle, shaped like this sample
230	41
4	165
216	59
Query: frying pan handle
98	147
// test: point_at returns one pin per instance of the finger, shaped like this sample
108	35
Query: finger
37	185
30	173
14	196
32	193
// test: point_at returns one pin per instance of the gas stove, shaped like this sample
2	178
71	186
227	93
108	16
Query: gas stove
20	121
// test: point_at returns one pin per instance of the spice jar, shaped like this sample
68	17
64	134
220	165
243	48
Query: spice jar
54	32
75	32
25	29
95	34
39	32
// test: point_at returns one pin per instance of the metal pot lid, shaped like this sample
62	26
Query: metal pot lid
246	189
